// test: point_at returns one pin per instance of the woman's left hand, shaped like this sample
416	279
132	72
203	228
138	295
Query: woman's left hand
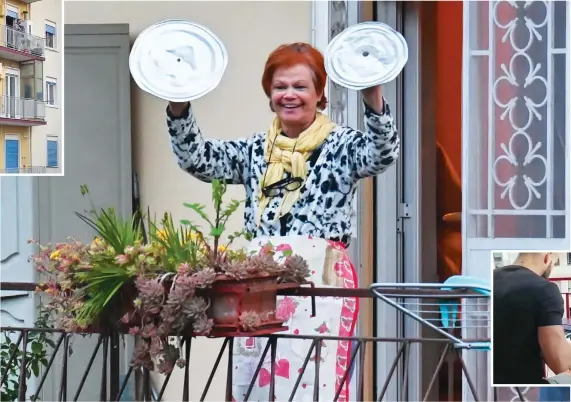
373	97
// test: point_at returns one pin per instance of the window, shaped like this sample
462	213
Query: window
568	258
51	93
518	125
51	42
52	148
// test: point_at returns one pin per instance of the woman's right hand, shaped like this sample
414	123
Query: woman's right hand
177	108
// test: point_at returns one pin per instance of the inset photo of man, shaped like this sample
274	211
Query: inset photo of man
530	346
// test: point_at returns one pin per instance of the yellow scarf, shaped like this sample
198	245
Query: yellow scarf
290	155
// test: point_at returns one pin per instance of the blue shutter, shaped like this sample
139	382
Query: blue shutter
52	154
50	29
12	14
12	153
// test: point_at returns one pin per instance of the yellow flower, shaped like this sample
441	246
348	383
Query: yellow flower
55	255
162	234
222	248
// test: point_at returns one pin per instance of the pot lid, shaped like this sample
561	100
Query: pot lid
365	55
177	60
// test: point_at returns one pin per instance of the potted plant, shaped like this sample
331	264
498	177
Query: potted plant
182	281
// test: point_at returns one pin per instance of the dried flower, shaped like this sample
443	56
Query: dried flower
250	320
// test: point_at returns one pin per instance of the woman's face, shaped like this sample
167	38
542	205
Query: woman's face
293	96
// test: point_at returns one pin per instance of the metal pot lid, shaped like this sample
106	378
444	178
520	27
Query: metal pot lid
365	55
177	60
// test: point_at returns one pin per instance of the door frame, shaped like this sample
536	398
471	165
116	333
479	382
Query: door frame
12	137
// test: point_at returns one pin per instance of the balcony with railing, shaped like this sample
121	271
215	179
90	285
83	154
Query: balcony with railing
16	111
105	373
31	170
19	45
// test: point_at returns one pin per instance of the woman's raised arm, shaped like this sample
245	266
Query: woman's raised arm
206	160
378	147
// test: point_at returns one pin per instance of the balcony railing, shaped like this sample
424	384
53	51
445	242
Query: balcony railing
115	383
12	107
22	41
26	170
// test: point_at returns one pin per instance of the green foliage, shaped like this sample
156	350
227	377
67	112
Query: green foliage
116	231
222	213
35	354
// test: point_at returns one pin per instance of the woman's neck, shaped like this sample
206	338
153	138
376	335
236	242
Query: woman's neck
295	130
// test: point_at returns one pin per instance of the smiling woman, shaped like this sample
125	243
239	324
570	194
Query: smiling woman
300	178
310	164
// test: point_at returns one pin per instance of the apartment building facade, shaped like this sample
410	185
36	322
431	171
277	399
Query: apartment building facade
30	74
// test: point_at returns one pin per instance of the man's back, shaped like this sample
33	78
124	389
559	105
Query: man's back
522	301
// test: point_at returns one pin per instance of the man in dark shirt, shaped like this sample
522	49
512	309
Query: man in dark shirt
527	322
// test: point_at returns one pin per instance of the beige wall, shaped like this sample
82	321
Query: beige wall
237	108
40	12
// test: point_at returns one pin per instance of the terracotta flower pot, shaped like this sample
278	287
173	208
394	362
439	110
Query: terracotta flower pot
229	298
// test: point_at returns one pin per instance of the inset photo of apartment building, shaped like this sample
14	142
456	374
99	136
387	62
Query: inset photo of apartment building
31	112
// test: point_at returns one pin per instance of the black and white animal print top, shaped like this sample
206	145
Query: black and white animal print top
324	208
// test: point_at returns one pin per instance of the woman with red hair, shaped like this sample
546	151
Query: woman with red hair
300	176
300	179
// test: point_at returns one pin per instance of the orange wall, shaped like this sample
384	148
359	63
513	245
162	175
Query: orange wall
449	79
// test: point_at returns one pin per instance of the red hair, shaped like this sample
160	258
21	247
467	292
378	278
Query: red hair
294	54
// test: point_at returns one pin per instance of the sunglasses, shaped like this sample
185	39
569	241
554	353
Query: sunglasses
278	188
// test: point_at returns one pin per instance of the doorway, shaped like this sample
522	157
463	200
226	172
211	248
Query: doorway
12	16
12	92
430	174
12	153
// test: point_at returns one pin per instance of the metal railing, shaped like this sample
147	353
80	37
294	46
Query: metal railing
13	107
26	170
22	41
113	383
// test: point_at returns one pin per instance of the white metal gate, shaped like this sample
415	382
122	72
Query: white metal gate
516	134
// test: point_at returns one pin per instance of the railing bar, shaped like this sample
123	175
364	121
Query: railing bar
47	370
316	386
406	358
347	371
166	381
391	372
186	383
103	388
361	383
402	292
147	395
63	384
311	337
258	368
164	386
124	383
436	372
271	392
230	370
22	387
214	370
88	368
12	357
302	370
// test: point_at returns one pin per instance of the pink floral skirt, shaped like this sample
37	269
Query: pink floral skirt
335	316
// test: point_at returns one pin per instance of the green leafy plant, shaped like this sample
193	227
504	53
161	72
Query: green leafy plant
167	274
35	354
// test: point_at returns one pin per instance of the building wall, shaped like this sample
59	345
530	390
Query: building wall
40	13
237	108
